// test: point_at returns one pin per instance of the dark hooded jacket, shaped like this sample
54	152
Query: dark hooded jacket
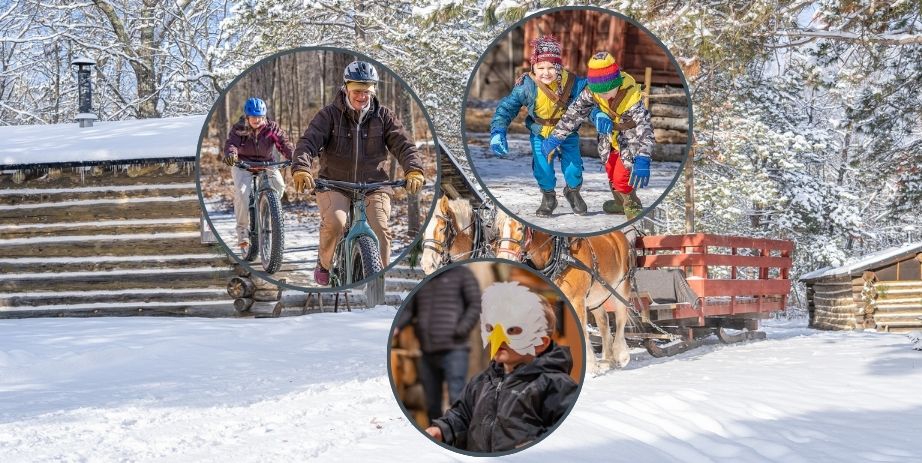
444	311
257	147
332	136
499	412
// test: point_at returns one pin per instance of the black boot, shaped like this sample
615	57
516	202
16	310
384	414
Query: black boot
548	203
575	200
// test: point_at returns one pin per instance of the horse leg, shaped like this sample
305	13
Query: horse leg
574	290
601	320
620	352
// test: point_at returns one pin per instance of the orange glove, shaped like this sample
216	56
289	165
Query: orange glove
414	180
304	181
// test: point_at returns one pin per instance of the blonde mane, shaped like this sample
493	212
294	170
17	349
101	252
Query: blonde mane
463	212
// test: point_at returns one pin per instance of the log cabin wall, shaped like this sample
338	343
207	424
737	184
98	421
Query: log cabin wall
895	300
107	238
835	305
886	296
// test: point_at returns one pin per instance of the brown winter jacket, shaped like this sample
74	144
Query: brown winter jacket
331	135
240	141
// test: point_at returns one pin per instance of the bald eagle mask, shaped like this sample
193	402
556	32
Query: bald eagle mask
512	314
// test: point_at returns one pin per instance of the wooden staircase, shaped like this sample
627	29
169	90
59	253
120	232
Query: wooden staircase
117	238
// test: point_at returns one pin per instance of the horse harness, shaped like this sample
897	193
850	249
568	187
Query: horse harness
561	258
442	248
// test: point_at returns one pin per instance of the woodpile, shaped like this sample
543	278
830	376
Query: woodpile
120	238
404	355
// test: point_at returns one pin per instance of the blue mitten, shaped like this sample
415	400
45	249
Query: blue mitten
602	123
640	173
499	145
550	144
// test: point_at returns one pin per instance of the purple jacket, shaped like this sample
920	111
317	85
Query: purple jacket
240	141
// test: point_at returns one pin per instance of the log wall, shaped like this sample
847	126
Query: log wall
119	238
897	306
836	305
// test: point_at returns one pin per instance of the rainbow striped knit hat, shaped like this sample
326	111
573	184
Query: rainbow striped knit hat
604	73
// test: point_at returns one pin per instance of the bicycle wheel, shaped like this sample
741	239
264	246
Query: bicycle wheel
366	259
271	231
253	236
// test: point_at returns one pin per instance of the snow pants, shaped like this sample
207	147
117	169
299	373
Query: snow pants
571	164
618	175
243	183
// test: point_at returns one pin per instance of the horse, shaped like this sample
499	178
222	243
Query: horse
454	233
609	256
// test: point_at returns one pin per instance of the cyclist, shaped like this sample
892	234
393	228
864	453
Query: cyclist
351	137
252	139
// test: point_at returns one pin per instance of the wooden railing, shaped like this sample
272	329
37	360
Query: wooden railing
726	292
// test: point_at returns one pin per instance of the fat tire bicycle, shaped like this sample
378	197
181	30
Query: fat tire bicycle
267	221
357	254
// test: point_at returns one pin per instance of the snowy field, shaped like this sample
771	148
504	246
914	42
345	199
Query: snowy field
511	181
315	388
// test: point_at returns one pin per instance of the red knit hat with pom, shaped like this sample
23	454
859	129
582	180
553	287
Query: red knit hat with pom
546	48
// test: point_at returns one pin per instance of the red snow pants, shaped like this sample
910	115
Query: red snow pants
618	175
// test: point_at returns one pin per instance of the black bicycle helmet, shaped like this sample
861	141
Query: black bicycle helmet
360	71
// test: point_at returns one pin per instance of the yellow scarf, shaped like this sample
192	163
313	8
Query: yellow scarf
544	106
633	96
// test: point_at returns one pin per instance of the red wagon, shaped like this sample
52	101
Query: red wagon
719	283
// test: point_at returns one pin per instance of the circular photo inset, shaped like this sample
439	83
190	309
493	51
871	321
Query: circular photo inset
486	357
317	168
577	113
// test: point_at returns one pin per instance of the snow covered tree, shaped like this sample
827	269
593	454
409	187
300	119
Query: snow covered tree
153	57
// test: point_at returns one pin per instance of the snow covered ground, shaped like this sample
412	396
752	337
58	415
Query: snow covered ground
511	181
315	388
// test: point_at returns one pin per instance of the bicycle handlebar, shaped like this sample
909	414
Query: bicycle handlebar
359	186
257	165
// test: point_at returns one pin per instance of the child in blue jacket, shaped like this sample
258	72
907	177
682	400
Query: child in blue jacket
547	92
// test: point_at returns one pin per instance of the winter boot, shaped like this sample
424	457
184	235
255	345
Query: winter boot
631	204
613	206
548	203
575	200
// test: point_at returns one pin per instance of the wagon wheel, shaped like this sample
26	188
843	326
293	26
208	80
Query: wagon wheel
668	349
727	338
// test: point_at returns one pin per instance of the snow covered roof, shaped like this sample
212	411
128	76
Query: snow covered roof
871	260
106	141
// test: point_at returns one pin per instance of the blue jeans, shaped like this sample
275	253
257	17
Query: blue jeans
570	163
442	367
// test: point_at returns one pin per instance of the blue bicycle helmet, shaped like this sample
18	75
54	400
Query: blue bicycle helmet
255	107
360	71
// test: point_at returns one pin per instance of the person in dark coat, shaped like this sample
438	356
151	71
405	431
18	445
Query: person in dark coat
352	137
443	313
525	391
